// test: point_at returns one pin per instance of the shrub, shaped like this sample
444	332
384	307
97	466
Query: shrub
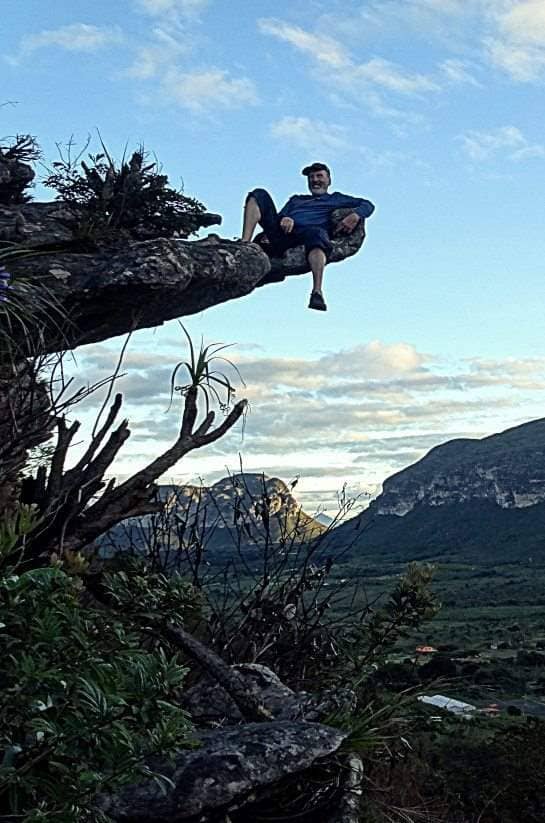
131	198
86	694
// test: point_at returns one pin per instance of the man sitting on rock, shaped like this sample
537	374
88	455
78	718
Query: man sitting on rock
305	221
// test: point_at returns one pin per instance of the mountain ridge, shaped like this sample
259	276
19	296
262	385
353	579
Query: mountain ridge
466	495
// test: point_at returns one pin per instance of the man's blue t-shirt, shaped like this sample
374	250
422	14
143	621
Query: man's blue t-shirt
308	210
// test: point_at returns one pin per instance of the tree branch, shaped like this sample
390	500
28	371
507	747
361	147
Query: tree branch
249	704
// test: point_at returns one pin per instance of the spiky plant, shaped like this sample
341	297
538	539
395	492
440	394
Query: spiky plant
26	306
211	383
115	199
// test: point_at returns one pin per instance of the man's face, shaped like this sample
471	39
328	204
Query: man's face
318	182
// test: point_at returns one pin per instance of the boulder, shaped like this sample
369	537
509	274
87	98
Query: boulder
209	703
227	769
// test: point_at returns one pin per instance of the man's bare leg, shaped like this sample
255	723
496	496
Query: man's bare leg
252	216
317	261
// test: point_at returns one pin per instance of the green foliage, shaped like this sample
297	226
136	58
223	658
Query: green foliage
411	603
87	693
27	306
128	198
17	152
150	597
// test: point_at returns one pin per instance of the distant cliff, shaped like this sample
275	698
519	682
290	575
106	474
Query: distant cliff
241	511
507	469
466	495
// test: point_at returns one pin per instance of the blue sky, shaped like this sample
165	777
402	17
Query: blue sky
432	109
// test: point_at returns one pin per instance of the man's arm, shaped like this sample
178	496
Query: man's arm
286	221
361	210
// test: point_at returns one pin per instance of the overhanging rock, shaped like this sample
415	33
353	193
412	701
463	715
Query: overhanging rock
101	292
113	291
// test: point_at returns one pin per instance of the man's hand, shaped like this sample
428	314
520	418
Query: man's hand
349	223
287	224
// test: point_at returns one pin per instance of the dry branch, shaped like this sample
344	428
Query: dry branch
69	520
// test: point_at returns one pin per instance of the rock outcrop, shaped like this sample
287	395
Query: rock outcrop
253	733
243	510
249	500
229	769
101	290
507	469
208	702
235	765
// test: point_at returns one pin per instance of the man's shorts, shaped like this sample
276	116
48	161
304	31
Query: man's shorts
310	237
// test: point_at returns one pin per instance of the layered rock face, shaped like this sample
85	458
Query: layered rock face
507	469
248	499
466	498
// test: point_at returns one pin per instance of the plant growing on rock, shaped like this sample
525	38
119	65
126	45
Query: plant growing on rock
15	173
131	198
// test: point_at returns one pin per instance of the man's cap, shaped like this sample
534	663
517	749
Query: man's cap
315	167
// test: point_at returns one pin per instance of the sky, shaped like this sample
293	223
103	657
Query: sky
431	109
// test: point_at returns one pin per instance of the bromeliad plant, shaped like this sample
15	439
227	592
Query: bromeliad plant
131	198
204	379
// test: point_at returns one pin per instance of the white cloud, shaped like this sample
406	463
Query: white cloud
394	78
208	89
325	138
518	46
320	138
324	49
507	140
525	22
524	63
529	152
176	7
507	34
162	52
362	412
162	61
458	72
315	136
79	37
375	360
439	20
